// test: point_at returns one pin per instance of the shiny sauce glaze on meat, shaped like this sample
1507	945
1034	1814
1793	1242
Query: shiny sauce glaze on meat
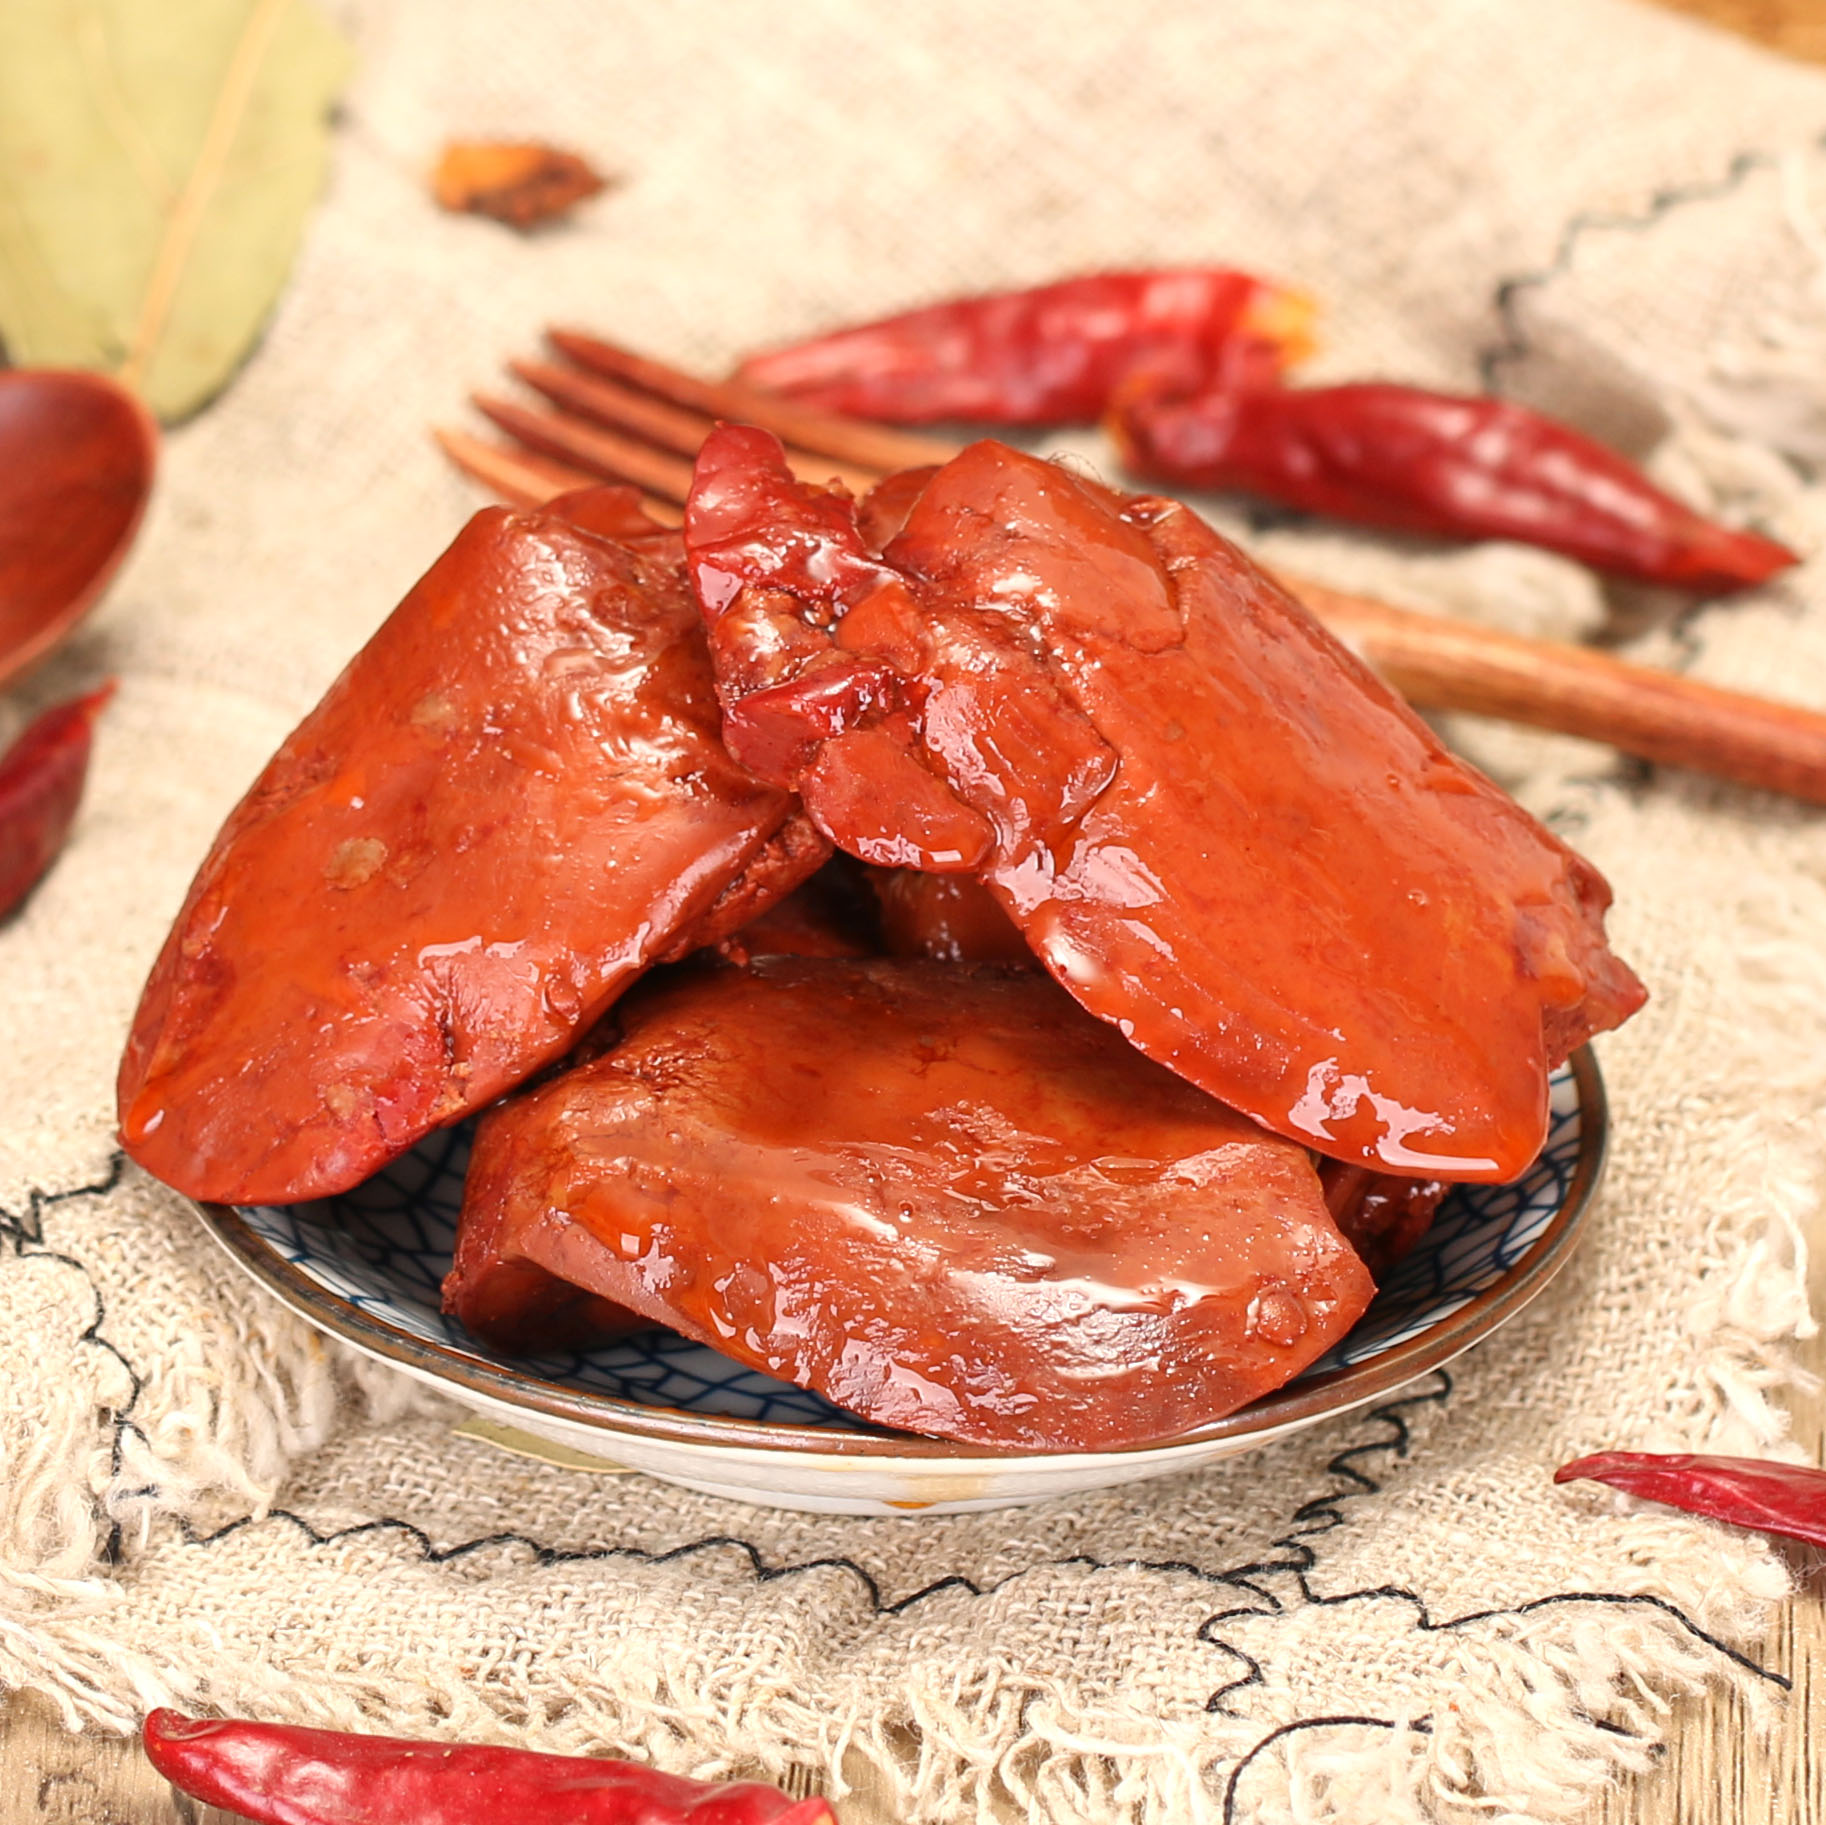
512	802
1057	724
1214	826
1381	1215
941	1195
953	918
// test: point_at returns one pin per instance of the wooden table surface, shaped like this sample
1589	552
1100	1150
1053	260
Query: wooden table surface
1716	1770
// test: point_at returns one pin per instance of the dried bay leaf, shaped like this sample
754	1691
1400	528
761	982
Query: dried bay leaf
157	162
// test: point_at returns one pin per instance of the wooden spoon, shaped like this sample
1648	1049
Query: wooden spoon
76	460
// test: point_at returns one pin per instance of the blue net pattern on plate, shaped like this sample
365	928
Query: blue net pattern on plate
385	1247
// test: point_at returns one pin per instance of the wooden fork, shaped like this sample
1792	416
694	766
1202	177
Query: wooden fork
613	415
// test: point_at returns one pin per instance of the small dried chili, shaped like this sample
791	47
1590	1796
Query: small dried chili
1438	463
1054	354
41	778
1786	1499
281	1774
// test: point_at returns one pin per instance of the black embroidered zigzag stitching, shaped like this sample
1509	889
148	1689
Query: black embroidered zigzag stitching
25	1233
1302	1559
1515	345
1326	1513
1324	1508
28	1230
1426	1625
1421	1725
1323	1511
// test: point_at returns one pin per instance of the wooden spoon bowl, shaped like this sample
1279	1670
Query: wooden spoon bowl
76	459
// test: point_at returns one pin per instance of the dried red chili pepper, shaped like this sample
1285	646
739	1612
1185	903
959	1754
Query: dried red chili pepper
1460	467
41	778
1053	354
282	1774
1786	1499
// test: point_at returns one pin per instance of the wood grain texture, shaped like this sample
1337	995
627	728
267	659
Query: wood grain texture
1797	27
1716	1770
1442	664
48	1778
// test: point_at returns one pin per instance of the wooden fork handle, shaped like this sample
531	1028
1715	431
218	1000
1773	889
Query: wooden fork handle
1442	664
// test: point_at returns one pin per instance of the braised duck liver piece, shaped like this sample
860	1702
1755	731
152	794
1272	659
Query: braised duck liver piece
941	1195
1380	1214
1213	825
513	801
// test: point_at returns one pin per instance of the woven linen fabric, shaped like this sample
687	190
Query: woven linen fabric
1392	1616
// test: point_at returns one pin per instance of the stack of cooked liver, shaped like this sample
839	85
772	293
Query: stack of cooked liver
1070	1208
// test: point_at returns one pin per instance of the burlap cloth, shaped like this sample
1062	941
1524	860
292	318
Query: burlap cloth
1393	1617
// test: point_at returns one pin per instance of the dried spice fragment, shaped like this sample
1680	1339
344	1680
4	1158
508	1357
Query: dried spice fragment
521	183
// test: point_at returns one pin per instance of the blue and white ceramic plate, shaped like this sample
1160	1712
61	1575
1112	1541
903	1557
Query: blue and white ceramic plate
366	1267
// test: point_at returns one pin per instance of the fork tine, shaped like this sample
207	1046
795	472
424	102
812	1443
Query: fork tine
604	454
524	480
618	408
520	478
850	441
658	421
1437	662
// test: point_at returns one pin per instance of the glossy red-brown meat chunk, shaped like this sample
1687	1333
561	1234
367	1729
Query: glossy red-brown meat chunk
951	917
511	802
1379	1214
832	914
944	1197
1211	822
